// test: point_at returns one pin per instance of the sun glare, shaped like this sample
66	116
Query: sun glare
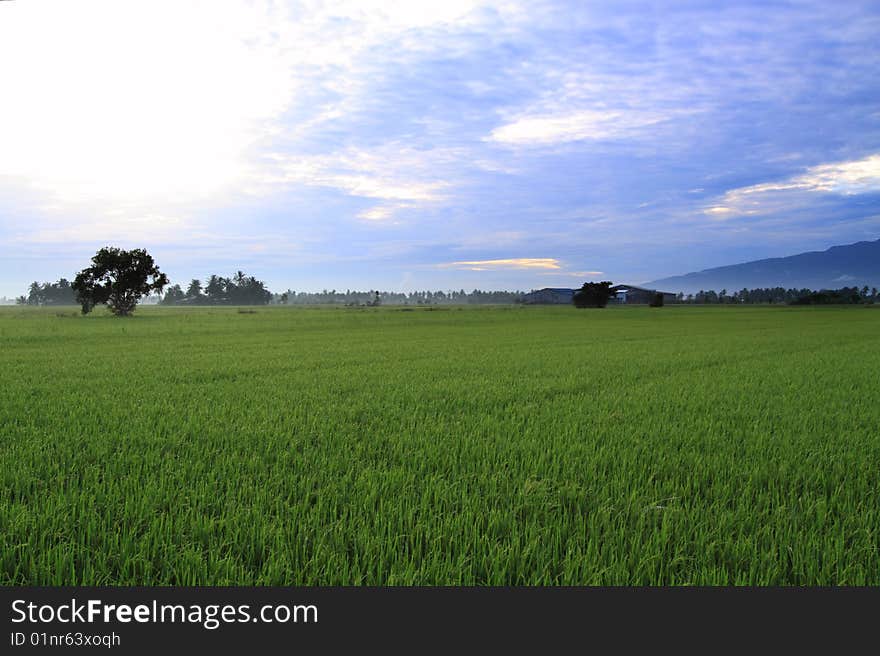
134	101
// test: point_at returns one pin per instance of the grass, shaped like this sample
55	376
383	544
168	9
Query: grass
540	445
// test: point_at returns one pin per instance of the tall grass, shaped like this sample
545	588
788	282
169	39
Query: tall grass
548	446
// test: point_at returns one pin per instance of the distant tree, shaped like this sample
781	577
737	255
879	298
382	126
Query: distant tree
50	293
240	289
593	294
215	290
842	296
173	296
35	294
194	291
63	293
247	290
118	278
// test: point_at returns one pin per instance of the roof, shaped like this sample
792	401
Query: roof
629	288
615	289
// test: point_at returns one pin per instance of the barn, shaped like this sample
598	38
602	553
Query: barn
632	294
550	296
623	295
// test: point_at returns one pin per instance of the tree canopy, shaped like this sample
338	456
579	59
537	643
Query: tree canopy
351	297
118	278
49	293
593	294
240	289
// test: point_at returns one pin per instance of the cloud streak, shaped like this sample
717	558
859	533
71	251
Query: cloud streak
577	126
848	178
528	263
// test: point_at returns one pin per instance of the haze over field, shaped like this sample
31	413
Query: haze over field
445	145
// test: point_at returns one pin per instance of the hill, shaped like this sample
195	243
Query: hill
852	265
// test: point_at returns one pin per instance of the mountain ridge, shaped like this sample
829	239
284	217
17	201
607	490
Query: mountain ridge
846	265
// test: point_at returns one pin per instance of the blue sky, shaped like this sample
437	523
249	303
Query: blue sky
434	145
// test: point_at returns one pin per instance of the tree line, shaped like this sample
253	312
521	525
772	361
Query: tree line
781	295
49	293
375	297
121	279
240	289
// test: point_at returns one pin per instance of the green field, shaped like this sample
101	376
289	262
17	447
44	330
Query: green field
389	446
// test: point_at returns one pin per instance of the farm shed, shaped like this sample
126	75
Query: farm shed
550	295
629	294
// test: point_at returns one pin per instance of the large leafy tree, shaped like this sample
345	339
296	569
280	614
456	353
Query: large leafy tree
118	278
593	294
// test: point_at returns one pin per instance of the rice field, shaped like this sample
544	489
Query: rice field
443	446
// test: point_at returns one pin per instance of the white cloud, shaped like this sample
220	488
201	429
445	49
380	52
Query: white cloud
843	178
847	178
575	126
719	210
542	266
575	274
141	104
392	172
509	263
377	213
596	96
383	213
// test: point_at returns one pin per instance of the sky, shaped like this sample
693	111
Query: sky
434	145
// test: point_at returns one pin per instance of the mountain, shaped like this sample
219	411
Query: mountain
853	265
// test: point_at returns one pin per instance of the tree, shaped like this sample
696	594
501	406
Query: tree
173	296
35	294
247	290
194	291
593	294
215	290
241	289
50	293
118	278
